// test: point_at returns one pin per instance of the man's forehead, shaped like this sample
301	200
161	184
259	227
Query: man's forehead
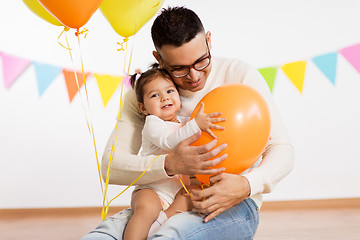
185	54
184	58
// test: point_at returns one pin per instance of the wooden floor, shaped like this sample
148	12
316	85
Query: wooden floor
276	223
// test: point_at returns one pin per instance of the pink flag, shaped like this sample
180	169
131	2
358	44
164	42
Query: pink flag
12	68
352	55
126	82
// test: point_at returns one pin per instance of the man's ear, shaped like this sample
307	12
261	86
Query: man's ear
157	57
208	39
142	109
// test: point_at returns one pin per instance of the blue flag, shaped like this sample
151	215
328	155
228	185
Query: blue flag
327	64
45	75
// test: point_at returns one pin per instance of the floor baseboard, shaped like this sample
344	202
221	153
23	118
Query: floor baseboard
340	203
56	212
266	206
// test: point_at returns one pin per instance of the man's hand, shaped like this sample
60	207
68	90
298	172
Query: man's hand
227	191
190	160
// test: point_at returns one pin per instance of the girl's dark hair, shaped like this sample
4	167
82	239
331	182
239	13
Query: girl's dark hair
175	26
146	77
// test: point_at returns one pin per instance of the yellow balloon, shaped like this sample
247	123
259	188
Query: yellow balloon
128	16
39	10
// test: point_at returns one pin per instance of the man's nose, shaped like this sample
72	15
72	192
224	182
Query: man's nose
194	74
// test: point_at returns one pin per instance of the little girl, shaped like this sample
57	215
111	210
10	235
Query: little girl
159	100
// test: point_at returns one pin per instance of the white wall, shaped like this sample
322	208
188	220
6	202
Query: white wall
46	154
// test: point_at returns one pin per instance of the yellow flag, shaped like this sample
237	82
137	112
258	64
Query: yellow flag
107	85
295	71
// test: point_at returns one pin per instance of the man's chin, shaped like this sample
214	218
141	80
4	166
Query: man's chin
195	89
198	87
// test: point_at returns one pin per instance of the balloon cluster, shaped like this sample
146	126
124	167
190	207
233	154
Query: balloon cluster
247	126
125	16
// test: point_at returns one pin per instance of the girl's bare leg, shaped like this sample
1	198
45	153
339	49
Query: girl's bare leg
146	206
182	203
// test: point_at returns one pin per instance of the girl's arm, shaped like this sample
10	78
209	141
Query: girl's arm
160	133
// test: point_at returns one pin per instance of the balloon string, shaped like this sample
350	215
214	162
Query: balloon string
112	153
104	213
63	31
77	82
84	31
91	129
122	44
113	147
92	132
184	186
203	186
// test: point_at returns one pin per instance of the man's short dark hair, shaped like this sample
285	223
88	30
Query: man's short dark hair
175	26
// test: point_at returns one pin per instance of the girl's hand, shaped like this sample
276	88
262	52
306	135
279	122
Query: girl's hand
206	121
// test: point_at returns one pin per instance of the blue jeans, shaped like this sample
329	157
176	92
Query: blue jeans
239	222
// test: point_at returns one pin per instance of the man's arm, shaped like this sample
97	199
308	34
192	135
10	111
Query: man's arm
277	162
278	158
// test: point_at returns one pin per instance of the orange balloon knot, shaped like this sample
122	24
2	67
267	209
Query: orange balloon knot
122	44
84	31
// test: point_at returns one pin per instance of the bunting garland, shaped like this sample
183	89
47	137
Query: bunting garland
14	66
71	82
107	85
296	73
269	75
352	55
327	64
45	75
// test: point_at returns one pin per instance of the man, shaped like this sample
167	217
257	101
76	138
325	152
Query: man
231	207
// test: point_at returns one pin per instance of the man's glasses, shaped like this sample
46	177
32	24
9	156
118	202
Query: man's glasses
183	71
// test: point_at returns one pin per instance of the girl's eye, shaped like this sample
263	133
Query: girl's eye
170	91
154	95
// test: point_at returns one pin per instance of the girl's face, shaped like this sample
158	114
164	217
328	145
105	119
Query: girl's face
161	99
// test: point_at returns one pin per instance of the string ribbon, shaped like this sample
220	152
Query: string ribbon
126	39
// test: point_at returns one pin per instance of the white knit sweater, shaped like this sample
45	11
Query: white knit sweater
277	160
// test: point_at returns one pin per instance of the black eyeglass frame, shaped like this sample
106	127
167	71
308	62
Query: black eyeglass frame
189	66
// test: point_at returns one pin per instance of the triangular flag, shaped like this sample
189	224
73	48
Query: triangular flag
269	74
12	67
70	81
352	54
45	75
327	64
295	71
107	85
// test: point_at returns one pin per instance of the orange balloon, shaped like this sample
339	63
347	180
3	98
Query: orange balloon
247	126
71	13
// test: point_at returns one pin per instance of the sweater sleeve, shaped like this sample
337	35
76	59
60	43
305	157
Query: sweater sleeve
278	158
126	165
157	132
